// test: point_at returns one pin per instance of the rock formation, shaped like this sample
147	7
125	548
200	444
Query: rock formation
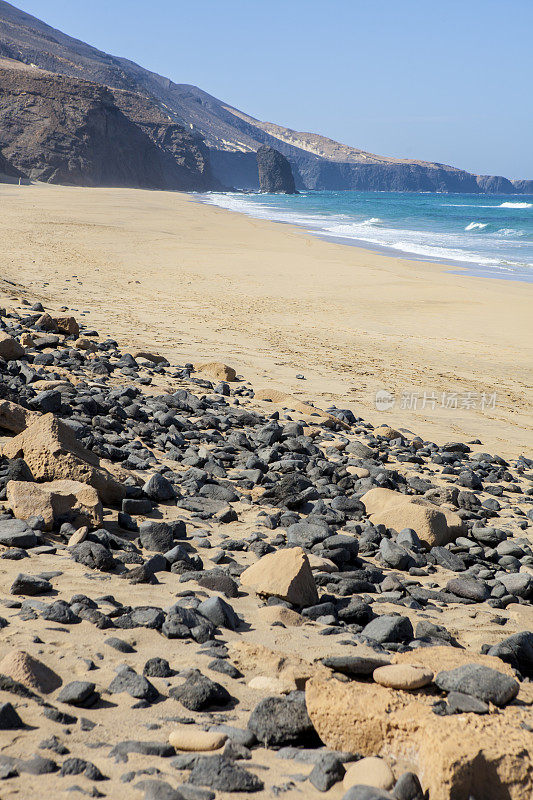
70	131
8	173
275	173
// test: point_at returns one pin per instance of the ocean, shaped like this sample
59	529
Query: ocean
489	235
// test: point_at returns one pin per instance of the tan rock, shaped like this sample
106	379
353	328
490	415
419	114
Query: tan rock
370	771
256	660
10	348
359	472
270	685
32	673
285	574
16	418
52	452
44	386
56	501
387	432
153	357
84	343
217	371
377	500
78	536
46	323
322	564
26	340
287	616
398	511
67	325
192	739
403	676
456	526
454	756
289	401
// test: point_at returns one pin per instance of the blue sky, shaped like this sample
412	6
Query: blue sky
444	81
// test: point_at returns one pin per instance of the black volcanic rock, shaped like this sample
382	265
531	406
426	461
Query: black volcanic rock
275	173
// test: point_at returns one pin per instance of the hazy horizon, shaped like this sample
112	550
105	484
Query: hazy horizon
439	84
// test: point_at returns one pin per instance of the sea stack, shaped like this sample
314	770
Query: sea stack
275	173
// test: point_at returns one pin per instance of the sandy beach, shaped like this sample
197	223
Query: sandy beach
194	282
341	554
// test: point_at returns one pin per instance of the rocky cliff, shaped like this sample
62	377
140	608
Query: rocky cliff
231	137
8	173
275	174
525	187
63	130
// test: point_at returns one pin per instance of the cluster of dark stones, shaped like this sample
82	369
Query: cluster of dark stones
310	499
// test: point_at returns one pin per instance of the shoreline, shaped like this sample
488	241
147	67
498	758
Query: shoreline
196	282
472	268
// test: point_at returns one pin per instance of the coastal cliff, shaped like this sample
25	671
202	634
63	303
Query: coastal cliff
61	130
212	144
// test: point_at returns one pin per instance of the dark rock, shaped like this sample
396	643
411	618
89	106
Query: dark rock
159	489
59	716
408	787
327	771
447	559
93	555
389	628
220	613
158	790
121	750
479	681
30	585
78	693
516	650
157	668
394	555
277	721
17	533
354	665
367	793
61	613
159	536
218	773
119	644
200	692
459	703
9	719
77	766
225	668
469	588
135	685
219	582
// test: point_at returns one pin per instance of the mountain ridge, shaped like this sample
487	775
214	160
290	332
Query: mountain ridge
230	136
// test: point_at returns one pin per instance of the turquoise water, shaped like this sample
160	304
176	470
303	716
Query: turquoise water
490	235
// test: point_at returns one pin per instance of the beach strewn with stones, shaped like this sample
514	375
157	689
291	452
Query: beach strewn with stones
211	591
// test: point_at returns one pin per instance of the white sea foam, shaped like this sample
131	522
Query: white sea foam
516	205
476	226
509	232
430	245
